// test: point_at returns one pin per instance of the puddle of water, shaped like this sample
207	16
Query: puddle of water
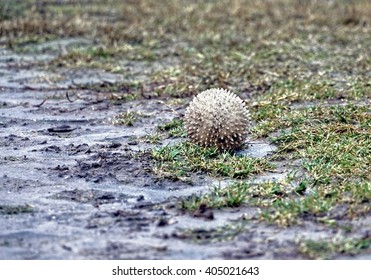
258	150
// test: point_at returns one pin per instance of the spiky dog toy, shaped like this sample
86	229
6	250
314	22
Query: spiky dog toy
217	118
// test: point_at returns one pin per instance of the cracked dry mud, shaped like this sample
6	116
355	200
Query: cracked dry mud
74	186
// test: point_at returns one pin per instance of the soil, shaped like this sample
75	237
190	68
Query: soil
75	186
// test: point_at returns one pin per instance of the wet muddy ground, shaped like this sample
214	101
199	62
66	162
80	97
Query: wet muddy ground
75	186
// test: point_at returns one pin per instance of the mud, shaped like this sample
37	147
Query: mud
75	186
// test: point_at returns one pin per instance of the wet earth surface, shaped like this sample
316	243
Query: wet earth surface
75	186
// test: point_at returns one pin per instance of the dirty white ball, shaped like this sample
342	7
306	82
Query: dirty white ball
217	118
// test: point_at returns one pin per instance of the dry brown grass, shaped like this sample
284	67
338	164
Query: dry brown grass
235	20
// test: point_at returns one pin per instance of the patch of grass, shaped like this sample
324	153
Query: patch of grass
152	139
333	144
12	9
329	249
264	195
300	90
283	205
273	118
267	195
14	210
273	110
103	57
359	89
211	42
334	141
175	123
289	211
174	128
126	118
185	80
233	195
321	205
184	158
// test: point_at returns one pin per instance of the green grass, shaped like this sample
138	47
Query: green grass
333	141
107	58
292	90
175	128
231	196
295	57
333	144
126	118
271	118
151	139
328	249
280	203
178	161
12	9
